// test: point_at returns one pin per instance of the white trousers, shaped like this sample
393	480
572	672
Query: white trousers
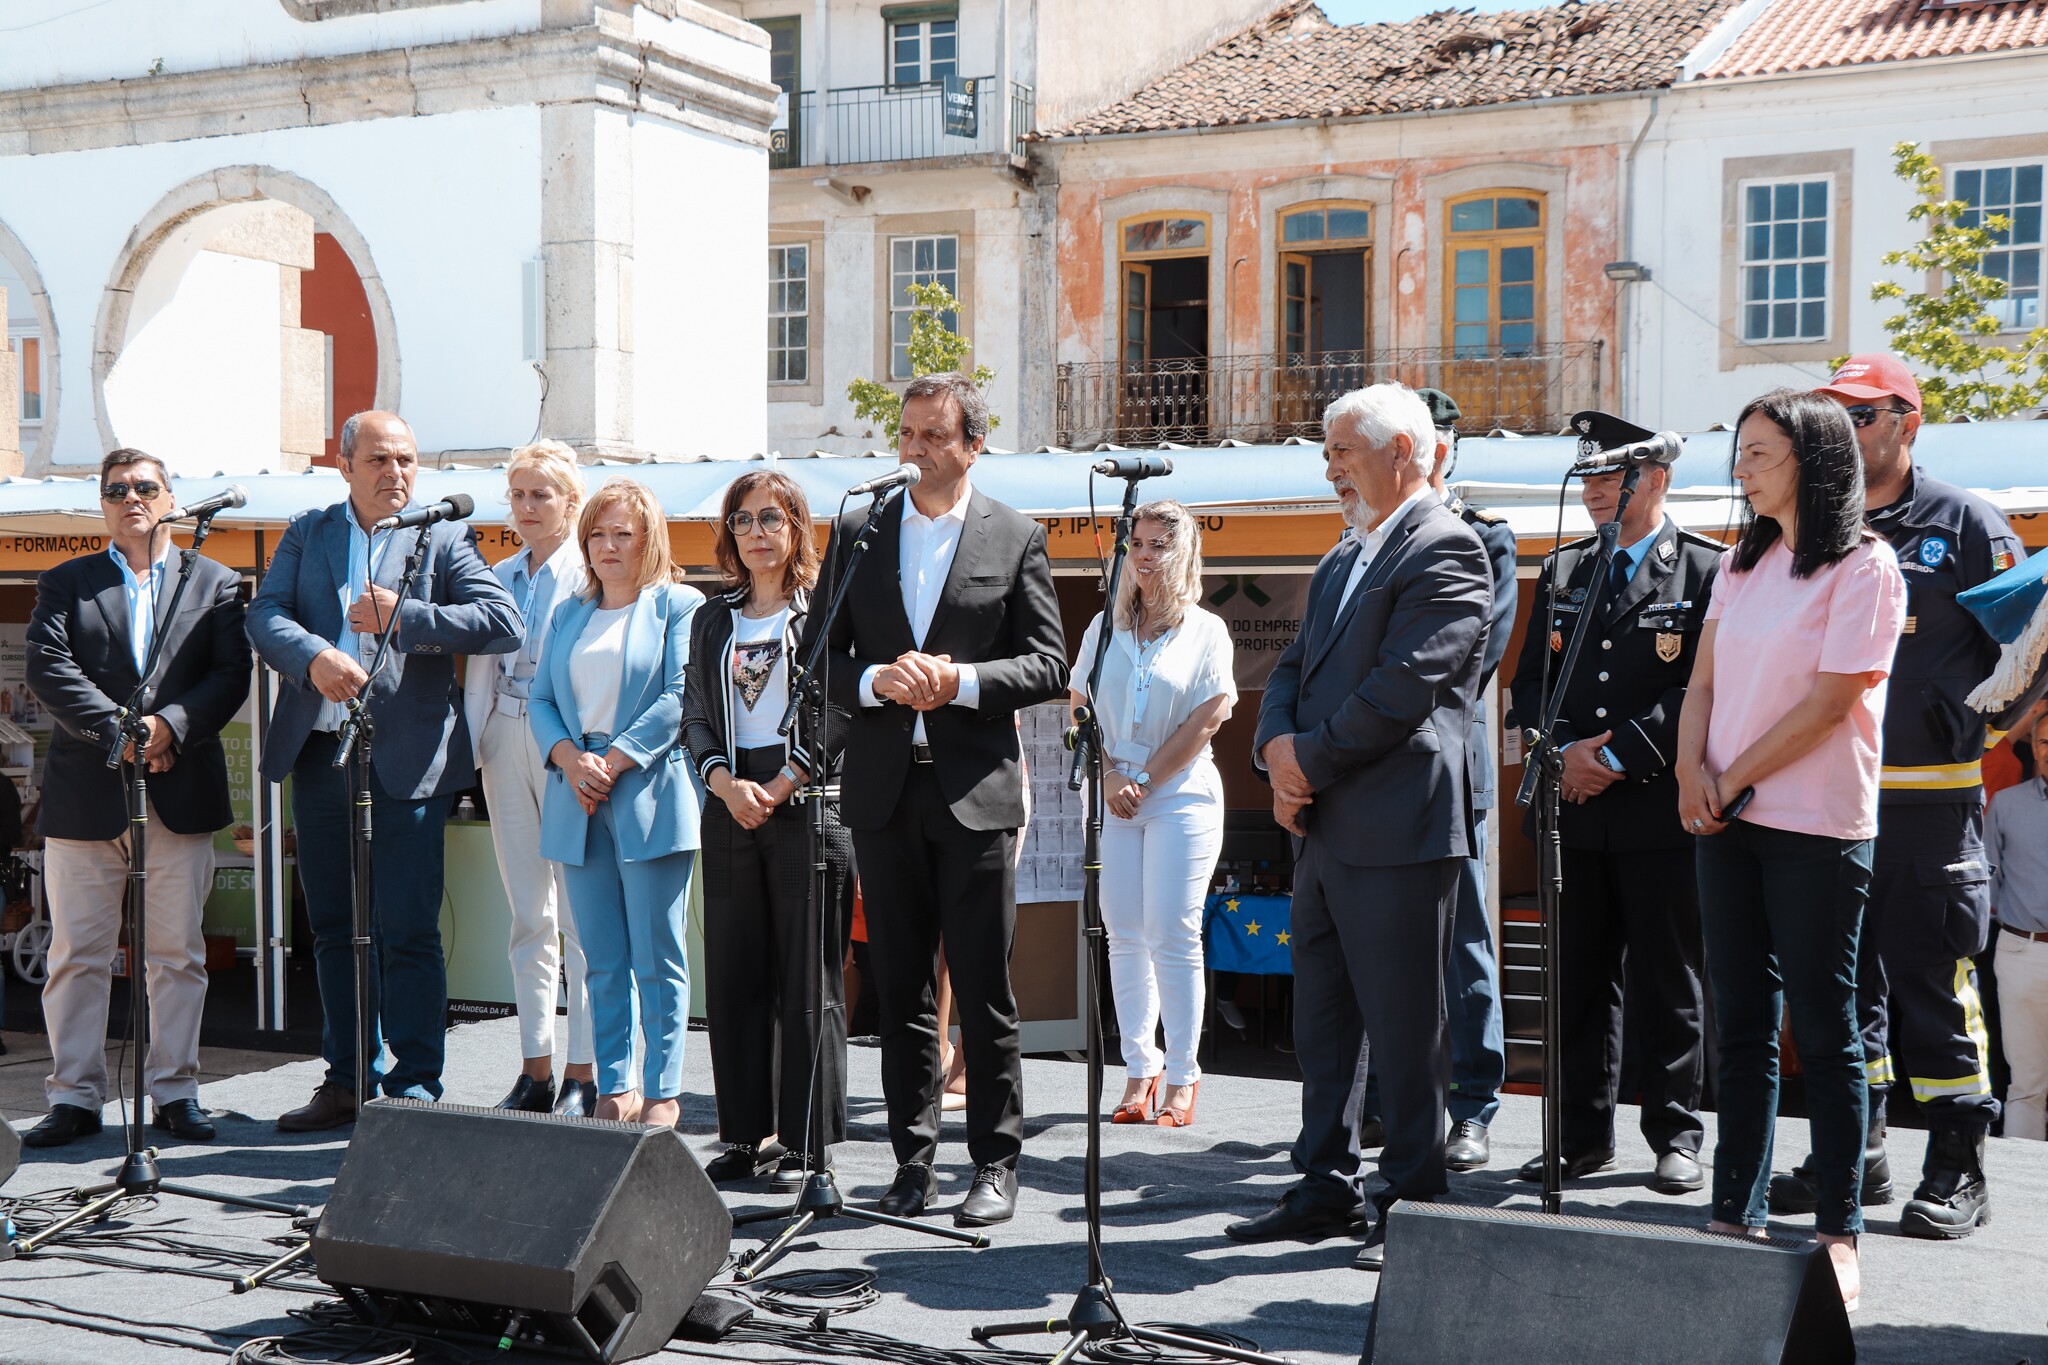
2023	1024
1155	879
543	936
86	880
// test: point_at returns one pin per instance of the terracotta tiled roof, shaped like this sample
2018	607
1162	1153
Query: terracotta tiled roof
1296	64
1807	35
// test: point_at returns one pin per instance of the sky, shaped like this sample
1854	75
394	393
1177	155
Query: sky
1382	11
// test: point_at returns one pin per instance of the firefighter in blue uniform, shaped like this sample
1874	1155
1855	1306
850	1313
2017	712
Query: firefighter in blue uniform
1630	914
1930	907
1479	1061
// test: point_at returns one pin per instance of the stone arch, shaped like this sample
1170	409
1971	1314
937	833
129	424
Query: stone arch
23	265
174	225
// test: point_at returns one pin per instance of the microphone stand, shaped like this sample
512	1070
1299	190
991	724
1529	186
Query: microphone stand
1095	1320
139	1175
820	1199
1542	784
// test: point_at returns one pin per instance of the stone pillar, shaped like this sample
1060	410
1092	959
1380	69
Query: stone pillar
10	406
283	234
587	258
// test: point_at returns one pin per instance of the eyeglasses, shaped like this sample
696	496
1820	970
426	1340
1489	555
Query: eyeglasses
146	489
1863	414
772	520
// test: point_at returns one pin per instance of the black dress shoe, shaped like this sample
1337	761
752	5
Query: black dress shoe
1373	1255
914	1188
530	1096
791	1172
1295	1218
183	1119
65	1123
1678	1173
576	1100
1466	1149
1371	1133
743	1161
992	1200
1575	1167
331	1107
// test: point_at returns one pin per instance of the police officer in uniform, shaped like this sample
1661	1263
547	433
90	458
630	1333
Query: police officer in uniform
1472	981
1629	888
1930	905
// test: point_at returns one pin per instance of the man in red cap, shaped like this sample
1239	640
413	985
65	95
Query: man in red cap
1929	910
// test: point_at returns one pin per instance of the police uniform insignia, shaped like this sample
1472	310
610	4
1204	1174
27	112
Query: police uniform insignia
1912	624
1933	550
1669	643
2001	560
1667	552
1575	595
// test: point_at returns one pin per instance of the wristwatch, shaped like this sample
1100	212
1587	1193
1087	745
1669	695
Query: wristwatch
790	773
1144	781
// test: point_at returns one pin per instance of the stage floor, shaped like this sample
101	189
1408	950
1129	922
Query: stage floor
1167	1195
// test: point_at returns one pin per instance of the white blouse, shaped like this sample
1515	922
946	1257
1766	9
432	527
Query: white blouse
1149	691
597	668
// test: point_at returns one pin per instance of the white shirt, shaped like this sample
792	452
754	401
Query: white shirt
1147	695
924	556
597	668
1377	537
756	667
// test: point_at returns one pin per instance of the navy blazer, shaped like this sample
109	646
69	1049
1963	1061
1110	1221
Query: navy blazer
655	806
421	744
1380	698
81	667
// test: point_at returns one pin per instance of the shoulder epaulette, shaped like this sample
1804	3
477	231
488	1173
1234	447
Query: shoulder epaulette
1693	537
1481	514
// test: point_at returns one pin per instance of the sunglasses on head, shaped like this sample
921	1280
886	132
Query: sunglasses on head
771	521
146	489
1863	414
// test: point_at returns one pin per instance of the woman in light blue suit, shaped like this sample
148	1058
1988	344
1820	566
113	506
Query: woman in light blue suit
622	804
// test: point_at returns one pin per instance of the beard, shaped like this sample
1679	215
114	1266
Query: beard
1358	514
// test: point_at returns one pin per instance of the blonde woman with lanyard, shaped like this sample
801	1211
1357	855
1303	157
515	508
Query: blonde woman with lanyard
1166	688
545	489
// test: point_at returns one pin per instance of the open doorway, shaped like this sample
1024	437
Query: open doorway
1163	380
1325	281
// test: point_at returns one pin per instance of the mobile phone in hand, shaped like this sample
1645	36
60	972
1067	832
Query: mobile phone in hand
1738	805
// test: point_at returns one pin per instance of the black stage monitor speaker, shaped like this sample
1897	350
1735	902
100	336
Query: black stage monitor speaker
10	1150
592	1236
1538	1289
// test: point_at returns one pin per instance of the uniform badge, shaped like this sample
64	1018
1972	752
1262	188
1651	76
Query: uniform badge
1556	641
1933	550
2001	560
1667	551
1912	624
1669	643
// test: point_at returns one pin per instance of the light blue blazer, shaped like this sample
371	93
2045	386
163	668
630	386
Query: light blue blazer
655	807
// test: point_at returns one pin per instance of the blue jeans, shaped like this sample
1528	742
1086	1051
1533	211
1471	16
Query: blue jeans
408	975
632	918
1781	913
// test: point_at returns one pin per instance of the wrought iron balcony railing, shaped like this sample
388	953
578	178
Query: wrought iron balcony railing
899	123
1257	398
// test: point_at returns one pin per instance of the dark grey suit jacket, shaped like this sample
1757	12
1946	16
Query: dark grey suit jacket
1380	697
997	611
457	606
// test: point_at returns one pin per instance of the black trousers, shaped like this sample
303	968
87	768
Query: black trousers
924	875
1631	920
763	956
1370	946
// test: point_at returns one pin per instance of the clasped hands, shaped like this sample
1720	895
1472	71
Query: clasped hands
750	803
590	775
1292	791
157	752
923	682
1699	799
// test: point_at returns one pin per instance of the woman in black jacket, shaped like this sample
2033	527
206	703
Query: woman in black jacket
761	944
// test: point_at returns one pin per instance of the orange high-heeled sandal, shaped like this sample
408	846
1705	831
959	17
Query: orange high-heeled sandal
1181	1118
1138	1111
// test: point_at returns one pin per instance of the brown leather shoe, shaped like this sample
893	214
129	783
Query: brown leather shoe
331	1107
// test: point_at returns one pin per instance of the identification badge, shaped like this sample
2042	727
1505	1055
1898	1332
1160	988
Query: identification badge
1669	643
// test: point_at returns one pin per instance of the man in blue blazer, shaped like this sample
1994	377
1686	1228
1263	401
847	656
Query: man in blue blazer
1363	733
329	589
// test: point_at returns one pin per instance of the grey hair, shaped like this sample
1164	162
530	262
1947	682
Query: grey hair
1384	411
1180	576
353	427
965	392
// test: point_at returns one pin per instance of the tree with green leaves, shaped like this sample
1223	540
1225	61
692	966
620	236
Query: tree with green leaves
935	348
1951	326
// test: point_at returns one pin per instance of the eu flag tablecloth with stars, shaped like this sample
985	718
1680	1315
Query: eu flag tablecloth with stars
1248	933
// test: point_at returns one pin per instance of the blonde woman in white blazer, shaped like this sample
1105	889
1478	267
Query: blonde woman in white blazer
545	490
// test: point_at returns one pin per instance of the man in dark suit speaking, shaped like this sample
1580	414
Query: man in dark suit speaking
948	628
1363	734
96	619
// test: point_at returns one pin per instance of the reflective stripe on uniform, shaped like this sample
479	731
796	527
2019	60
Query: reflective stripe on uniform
1927	1090
1992	737
1933	777
1879	1072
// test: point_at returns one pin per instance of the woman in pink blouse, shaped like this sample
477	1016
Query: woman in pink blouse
1781	724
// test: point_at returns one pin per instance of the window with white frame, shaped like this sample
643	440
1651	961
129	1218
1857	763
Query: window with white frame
1786	238
789	314
918	260
2013	192
28	364
924	45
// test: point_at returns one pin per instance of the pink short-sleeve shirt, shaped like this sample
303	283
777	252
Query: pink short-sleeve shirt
1776	632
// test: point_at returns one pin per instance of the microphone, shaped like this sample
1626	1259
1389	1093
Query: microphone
902	476
1662	448
454	507
1134	466
234	495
